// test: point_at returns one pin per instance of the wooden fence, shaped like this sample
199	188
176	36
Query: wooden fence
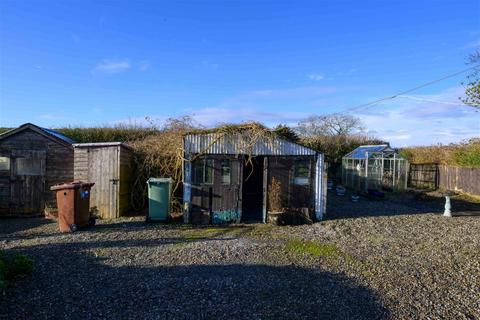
423	176
433	176
460	179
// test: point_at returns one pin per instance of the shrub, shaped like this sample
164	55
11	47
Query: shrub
13	266
336	147
464	154
275	196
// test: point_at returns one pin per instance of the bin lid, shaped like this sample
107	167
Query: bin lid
72	185
159	180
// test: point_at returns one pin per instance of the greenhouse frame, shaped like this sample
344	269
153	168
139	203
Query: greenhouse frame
374	167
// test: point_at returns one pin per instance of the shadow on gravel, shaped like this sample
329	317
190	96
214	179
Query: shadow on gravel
70	283
12	225
409	203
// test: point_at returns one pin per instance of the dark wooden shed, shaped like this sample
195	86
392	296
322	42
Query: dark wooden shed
224	182
110	166
32	159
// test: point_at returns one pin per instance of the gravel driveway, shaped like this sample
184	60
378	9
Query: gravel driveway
390	260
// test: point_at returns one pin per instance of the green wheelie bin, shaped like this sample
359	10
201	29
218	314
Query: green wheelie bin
159	190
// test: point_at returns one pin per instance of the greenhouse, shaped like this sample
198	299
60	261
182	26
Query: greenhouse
375	167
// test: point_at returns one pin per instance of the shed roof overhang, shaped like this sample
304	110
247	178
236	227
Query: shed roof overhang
48	133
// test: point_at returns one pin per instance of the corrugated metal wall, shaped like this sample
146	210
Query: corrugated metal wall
313	195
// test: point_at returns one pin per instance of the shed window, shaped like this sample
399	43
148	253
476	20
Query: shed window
4	163
226	171
203	171
301	172
28	167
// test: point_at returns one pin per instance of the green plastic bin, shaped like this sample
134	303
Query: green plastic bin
159	190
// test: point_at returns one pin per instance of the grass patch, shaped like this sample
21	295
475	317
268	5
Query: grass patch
468	198
205	233
325	250
13	266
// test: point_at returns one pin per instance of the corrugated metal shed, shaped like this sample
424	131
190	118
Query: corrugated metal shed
363	152
217	143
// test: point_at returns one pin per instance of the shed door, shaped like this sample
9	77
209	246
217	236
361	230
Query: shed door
27	186
103	170
5	177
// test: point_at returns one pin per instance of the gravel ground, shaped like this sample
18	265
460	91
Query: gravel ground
396	258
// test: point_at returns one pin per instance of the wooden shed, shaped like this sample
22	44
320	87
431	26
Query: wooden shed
32	159
223	182
110	166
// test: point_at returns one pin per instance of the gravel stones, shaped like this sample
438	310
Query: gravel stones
401	260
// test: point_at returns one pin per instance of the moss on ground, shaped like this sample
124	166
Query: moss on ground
326	250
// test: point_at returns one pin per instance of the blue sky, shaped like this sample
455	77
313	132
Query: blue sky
92	63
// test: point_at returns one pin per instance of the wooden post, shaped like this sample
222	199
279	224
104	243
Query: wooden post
381	172
394	172
407	169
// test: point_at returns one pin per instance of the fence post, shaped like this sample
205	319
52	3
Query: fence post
366	171
394	173
407	169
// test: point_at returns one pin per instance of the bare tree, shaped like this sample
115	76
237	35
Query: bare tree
336	124
472	84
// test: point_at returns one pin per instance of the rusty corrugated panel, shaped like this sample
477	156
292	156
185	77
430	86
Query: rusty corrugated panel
214	143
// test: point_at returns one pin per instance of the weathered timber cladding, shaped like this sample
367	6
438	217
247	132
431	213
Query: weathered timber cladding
29	194
433	176
460	179
217	196
299	170
293	195
423	176
110	167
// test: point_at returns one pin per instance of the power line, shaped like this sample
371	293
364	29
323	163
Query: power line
410	90
437	101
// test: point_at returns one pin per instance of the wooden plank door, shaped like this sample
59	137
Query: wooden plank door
27	190
5	177
104	172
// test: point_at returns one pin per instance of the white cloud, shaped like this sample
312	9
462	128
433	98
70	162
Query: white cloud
109	66
213	116
405	121
144	65
472	44
316	76
423	119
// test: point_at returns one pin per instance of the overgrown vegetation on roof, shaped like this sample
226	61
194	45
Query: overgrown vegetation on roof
161	154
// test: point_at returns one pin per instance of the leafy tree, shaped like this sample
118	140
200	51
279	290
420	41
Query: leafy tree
286	132
472	84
